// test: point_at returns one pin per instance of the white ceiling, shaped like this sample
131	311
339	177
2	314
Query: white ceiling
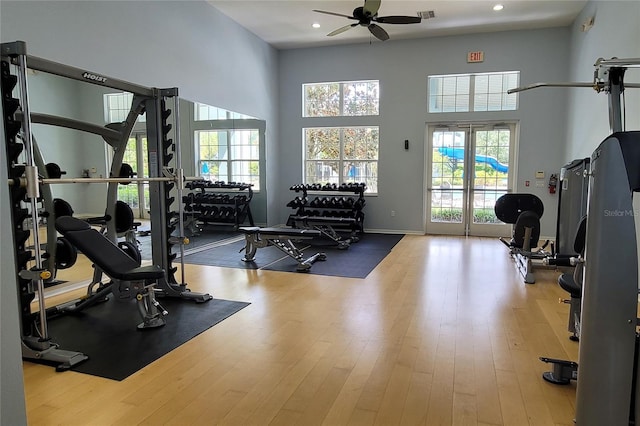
286	24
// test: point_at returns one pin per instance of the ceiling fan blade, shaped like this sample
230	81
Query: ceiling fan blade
371	7
379	32
398	19
334	13
341	30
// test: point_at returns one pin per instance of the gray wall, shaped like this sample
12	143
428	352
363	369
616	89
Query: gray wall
402	68
616	33
184	44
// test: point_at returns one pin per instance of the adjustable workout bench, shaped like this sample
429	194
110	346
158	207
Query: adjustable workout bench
323	225
128	278
282	239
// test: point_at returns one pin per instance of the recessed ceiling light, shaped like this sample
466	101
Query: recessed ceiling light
498	7
315	25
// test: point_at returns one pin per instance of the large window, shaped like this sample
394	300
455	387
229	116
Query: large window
351	98
229	155
117	107
342	154
473	92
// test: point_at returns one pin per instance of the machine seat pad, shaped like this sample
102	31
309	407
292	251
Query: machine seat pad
250	229
569	285
149	272
105	254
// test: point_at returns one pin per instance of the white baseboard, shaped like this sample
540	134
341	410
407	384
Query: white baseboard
392	231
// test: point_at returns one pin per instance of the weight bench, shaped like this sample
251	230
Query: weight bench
323	225
282	239
129	279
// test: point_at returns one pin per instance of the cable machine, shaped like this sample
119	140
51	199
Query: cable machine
25	183
607	391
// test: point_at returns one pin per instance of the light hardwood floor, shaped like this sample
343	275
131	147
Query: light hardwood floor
442	332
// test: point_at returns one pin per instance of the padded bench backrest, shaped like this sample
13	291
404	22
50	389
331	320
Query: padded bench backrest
526	219
105	254
581	236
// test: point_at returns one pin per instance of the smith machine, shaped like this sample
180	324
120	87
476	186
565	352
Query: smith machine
607	383
29	188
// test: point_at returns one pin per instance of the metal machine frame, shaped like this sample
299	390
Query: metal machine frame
608	358
167	177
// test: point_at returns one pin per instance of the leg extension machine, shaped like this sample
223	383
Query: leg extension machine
524	212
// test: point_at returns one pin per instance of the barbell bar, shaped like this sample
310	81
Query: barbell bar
23	181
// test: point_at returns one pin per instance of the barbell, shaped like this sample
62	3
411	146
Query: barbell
23	181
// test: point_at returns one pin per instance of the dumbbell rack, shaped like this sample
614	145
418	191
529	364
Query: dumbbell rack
329	203
217	203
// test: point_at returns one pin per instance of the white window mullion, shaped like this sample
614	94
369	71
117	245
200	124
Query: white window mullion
341	157
229	155
472	92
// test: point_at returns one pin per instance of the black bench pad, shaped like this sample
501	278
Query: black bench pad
105	254
289	232
569	285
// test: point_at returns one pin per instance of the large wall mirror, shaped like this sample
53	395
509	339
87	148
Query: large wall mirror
217	144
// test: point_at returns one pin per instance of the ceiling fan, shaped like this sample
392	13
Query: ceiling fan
367	16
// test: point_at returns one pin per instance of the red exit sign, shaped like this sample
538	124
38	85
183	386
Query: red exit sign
477	56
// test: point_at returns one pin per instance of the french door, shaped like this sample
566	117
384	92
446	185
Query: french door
469	166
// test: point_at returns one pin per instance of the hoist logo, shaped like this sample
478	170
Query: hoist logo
94	77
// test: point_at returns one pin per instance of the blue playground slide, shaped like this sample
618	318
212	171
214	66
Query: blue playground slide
458	154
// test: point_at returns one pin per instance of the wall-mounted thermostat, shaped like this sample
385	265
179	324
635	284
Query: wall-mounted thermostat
540	175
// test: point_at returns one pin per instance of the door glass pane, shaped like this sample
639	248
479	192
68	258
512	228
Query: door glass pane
447	173
129	193
491	173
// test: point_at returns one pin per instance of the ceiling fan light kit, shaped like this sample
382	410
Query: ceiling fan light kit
367	16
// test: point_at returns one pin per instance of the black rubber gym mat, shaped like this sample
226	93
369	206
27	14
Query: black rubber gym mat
230	256
355	262
107	333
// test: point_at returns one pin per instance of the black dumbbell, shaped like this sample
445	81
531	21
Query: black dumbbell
53	171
